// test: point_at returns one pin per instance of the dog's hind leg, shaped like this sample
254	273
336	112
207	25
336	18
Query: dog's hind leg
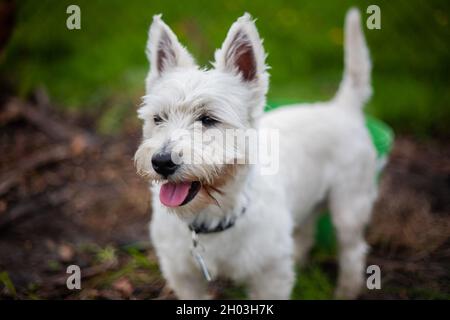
304	235
351	210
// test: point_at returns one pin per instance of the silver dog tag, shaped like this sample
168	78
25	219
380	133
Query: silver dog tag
198	257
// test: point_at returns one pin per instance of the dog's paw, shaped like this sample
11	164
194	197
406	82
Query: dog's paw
347	292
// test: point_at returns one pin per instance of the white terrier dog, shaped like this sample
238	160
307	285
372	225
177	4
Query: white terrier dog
215	219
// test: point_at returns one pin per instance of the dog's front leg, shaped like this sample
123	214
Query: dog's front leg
274	282
188	286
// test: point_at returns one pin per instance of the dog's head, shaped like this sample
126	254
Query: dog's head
187	108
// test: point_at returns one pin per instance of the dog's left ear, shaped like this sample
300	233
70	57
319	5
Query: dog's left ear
242	52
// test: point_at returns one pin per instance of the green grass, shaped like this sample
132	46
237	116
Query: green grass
6	282
135	266
100	69
313	284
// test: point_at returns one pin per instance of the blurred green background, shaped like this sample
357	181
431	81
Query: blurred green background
100	69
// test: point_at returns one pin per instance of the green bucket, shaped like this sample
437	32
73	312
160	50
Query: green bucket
382	138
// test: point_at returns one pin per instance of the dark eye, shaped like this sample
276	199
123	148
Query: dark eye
157	119
207	121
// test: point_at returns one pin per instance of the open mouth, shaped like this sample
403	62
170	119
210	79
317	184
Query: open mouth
178	194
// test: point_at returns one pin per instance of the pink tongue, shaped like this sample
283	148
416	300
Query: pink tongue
173	194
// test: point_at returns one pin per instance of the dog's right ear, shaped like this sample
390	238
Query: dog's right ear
164	51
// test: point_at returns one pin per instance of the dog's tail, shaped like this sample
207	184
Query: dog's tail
355	88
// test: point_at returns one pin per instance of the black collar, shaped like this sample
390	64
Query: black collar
226	223
223	225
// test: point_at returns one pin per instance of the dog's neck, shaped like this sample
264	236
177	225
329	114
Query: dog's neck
232	204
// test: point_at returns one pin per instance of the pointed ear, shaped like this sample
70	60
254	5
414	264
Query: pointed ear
164	51
242	51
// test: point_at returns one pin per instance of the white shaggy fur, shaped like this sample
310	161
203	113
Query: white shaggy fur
326	157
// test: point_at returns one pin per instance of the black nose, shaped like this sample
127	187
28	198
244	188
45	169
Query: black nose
163	164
